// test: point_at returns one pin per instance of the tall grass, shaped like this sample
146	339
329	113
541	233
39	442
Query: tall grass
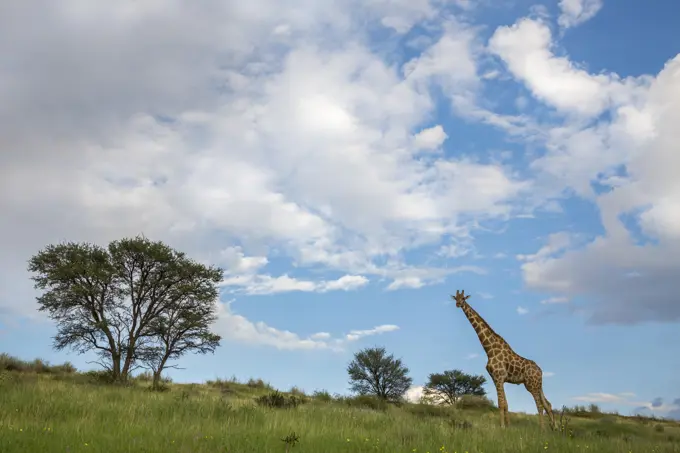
53	413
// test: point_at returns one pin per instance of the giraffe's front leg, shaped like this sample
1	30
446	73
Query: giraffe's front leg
502	402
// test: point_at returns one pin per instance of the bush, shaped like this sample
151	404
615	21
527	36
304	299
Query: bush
297	392
475	402
257	384
9	363
145	376
367	402
460	424
428	410
594	409
64	368
278	400
322	395
99	376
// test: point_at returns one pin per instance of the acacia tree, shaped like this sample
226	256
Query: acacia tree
111	300
374	372
450	385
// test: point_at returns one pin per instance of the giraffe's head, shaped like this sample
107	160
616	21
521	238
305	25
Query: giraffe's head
460	298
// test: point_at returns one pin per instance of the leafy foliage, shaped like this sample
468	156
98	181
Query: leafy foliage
322	395
374	372
279	400
135	302
10	363
475	402
449	386
366	402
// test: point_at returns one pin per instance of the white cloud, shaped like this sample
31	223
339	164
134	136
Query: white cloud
357	334
548	374
320	336
430	139
485	295
522	310
225	124
235	261
414	394
234	327
638	212
657	406
247	128
555	300
406	282
418	277
599	397
472	356
266	284
526	48
345	283
575	12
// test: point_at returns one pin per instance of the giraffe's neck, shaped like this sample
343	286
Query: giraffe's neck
486	334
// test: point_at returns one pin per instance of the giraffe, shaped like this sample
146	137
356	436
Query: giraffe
505	365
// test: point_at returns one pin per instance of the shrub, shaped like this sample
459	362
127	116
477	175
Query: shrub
257	384
64	368
460	424
8	377
99	376
594	409
475	402
367	401
9	363
145	376
278	400
428	410
322	395
297	392
103	377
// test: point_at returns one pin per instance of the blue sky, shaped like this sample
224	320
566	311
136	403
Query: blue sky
351	164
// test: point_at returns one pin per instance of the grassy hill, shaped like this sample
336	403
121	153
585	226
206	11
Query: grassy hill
55	409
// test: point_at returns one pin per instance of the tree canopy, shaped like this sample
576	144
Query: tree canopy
374	372
135	301
450	385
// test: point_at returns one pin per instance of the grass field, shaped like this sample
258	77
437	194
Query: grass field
57	412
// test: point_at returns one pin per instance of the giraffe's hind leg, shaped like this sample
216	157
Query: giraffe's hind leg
539	403
548	409
542	404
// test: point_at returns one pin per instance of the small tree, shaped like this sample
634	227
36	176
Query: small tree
183	327
373	372
112	301
448	386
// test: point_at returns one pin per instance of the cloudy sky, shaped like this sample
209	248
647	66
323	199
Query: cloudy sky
352	163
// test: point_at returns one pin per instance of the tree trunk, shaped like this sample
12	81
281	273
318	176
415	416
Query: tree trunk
129	357
156	380
158	372
115	367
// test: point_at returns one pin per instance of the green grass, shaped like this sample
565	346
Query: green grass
54	412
